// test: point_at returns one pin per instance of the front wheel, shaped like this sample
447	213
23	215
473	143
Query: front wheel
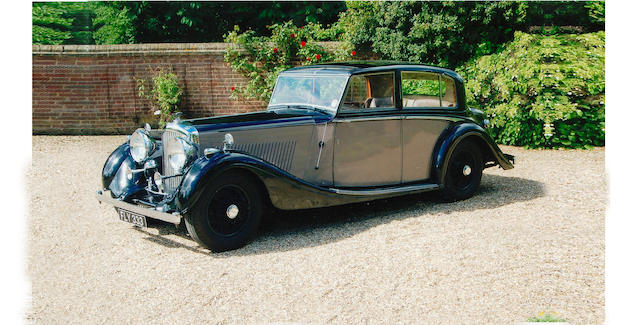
227	214
464	172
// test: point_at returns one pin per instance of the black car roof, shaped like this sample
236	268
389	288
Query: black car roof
353	67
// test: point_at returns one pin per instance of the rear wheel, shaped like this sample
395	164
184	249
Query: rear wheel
464	172
228	213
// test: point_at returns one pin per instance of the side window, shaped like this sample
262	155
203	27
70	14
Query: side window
425	89
371	91
448	92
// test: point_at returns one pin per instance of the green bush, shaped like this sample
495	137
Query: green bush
448	33
165	95
50	26
260	59
542	91
440	33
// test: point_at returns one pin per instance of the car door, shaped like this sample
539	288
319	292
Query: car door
367	143
427	98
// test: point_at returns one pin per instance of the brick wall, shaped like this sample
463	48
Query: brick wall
80	89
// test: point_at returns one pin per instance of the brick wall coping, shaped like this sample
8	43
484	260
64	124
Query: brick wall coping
141	49
132	49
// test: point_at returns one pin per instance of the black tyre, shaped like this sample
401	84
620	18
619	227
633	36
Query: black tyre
464	172
228	213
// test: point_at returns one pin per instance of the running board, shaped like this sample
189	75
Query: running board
389	191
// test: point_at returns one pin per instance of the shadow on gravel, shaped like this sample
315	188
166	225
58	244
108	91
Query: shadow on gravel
291	230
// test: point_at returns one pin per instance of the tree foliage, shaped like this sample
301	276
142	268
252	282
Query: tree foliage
120	22
542	91
210	21
113	23
62	23
449	33
49	24
472	27
440	33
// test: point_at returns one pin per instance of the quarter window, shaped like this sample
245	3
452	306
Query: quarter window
372	91
425	89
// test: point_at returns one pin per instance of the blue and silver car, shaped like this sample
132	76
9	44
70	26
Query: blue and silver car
332	134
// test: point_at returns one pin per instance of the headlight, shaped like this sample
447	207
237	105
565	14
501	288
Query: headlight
179	152
141	145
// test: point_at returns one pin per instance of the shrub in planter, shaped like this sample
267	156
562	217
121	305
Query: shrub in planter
542	91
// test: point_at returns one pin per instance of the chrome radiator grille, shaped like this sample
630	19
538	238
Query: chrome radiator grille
171	183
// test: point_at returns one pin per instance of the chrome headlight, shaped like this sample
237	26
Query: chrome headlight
180	152
141	145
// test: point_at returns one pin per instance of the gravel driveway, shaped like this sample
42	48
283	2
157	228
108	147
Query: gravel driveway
531	240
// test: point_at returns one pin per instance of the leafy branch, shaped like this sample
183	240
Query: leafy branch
260	59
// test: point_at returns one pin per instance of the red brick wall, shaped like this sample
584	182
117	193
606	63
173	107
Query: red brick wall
92	90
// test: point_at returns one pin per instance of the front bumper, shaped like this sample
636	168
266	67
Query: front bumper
105	196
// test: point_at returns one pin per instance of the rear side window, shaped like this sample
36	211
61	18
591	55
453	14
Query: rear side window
371	91
426	89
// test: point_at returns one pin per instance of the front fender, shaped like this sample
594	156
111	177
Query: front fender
114	174
454	135
284	190
113	163
204	169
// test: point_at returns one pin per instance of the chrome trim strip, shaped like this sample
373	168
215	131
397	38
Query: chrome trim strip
105	197
305	121
433	117
321	145
367	118
385	191
440	87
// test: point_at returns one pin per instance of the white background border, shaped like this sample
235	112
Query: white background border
622	163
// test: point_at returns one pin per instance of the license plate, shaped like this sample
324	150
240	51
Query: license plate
134	218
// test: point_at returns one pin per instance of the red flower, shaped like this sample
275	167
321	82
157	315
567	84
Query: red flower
318	56
303	43
353	53
308	59
275	50
293	35
302	27
233	88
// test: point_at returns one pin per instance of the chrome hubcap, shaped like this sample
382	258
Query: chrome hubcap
232	211
466	170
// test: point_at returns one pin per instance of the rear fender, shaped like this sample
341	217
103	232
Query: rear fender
456	134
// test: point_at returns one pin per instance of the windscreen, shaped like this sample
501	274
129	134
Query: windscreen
319	91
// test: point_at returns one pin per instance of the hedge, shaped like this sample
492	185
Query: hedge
542	91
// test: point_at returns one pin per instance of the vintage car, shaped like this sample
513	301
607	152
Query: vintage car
332	134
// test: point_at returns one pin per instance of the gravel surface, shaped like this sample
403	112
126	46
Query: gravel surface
531	240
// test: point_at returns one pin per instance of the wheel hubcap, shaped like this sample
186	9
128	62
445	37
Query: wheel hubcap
232	211
228	210
462	174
